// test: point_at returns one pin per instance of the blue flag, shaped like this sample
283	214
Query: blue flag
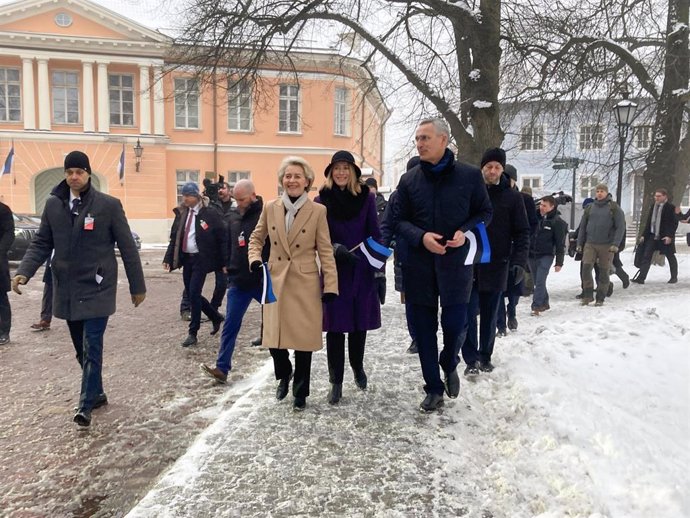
376	253
477	245
267	295
121	165
7	169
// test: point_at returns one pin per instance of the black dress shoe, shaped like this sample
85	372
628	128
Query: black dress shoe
412	349
486	366
673	280
257	342
452	384
335	393
361	379
83	417
217	323
472	370
189	341
299	404
512	324
431	402
283	387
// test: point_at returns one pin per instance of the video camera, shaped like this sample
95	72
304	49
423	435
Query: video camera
211	189
560	197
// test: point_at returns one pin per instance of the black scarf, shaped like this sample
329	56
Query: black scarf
341	203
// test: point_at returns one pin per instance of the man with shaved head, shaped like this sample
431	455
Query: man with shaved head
244	285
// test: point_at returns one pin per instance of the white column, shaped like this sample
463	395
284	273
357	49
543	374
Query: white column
43	95
144	100
103	107
158	105
28	96
88	99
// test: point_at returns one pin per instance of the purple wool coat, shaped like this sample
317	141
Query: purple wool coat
357	307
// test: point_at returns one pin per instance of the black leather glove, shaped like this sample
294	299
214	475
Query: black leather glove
327	298
255	266
380	279
343	255
518	273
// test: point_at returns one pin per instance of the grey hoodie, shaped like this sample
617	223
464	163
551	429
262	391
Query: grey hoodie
603	223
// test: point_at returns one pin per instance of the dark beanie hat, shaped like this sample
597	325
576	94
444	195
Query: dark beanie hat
494	154
79	160
412	162
343	156
371	182
511	171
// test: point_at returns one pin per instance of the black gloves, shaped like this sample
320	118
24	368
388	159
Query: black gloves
255	266
328	297
343	255
518	273
380	279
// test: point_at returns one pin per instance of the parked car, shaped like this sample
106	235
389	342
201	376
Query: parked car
25	228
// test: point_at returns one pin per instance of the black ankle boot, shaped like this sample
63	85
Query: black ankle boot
335	393
361	379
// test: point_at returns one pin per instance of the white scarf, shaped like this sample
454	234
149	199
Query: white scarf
656	219
291	209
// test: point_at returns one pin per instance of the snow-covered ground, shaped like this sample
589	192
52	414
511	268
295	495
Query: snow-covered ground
586	414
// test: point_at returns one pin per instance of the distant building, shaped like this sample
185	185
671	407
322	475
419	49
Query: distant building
74	75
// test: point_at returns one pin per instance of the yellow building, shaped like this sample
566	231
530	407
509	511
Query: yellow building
74	75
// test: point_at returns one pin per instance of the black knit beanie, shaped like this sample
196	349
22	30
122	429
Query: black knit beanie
494	154
79	160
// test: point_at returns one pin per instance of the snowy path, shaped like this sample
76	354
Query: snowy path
586	415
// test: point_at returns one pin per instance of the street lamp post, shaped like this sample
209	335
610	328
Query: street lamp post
624	112
138	151
569	162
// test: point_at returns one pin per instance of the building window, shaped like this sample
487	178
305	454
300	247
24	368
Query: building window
182	177
240	106
186	103
342	112
533	182
588	186
289	109
121	92
65	97
235	176
10	97
643	137
591	137
532	137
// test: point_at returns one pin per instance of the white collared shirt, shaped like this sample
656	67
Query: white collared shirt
192	247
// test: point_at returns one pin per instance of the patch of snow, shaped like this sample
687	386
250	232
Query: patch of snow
482	104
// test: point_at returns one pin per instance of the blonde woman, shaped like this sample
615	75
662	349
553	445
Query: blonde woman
297	230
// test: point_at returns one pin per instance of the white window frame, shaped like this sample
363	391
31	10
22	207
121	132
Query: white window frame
120	90
534	182
55	86
182	176
532	137
588	186
289	104
235	176
186	96
645	131
341	105
590	136
240	106
6	84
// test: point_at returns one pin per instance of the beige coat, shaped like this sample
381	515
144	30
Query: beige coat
294	321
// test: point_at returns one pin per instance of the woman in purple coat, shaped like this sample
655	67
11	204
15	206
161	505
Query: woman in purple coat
351	219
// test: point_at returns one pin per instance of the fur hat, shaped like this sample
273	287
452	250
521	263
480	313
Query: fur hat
602	187
494	154
190	189
79	160
342	156
510	170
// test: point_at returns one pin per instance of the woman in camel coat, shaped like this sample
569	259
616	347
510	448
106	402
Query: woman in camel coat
297	229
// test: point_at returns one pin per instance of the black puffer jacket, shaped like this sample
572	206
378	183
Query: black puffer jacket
240	227
550	237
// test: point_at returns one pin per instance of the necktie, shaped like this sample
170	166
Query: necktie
185	238
75	208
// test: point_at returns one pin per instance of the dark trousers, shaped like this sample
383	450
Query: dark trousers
5	314
194	276
410	326
335	349
425	323
283	369
484	304
216	298
47	301
87	338
506	310
650	245
617	264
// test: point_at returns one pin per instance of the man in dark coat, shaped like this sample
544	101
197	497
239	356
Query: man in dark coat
381	203
245	285
198	245
6	240
438	201
82	226
659	234
514	290
509	239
